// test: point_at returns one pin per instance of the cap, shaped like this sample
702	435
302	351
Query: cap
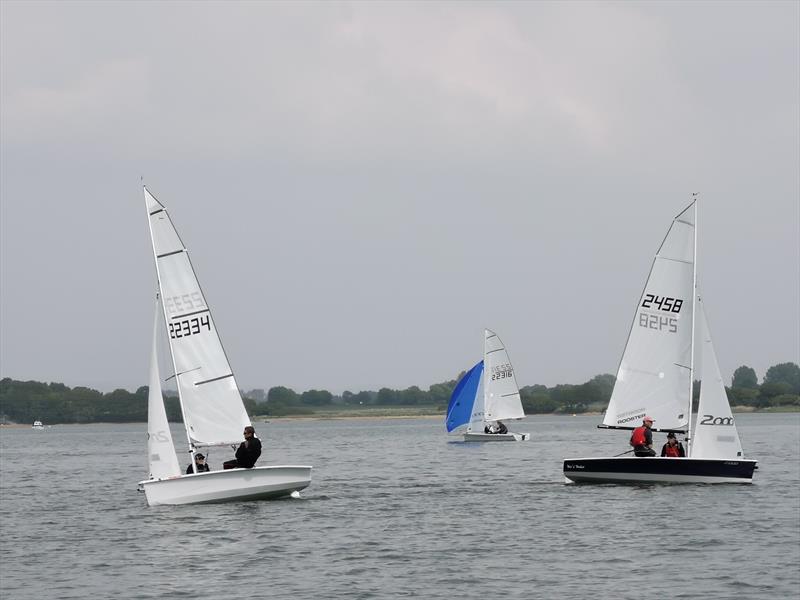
198	455
651	419
671	435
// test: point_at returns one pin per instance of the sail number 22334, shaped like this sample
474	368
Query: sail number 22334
187	327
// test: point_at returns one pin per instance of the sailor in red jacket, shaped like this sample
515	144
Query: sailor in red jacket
673	448
642	439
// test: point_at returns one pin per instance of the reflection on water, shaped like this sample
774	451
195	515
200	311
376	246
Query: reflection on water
395	510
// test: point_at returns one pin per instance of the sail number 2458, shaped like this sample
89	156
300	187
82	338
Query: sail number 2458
664	303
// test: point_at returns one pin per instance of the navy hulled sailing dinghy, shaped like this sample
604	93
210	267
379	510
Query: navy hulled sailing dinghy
486	396
655	378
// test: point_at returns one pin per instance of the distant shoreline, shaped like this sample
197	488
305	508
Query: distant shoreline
366	416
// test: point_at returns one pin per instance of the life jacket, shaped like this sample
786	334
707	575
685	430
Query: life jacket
674	451
637	437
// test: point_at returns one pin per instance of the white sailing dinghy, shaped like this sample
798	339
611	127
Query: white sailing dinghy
655	379
487	393
213	411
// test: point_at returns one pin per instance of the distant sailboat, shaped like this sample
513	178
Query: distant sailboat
487	395
655	379
213	411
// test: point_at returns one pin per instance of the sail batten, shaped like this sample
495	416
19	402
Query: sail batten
214	379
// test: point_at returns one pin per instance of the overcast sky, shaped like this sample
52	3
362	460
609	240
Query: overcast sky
364	187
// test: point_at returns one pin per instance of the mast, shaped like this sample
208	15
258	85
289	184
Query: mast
166	320
694	311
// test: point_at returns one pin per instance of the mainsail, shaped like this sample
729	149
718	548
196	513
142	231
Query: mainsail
161	457
462	400
654	375
502	399
212	407
715	432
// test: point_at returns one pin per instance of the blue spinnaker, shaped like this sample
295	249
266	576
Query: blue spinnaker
459	410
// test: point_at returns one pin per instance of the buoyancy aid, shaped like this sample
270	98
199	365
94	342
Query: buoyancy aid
674	451
637	437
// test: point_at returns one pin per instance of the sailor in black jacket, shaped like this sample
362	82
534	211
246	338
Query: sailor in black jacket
248	452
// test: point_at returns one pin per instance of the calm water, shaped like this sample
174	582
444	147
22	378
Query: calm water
395	510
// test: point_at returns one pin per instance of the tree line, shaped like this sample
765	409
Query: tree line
26	401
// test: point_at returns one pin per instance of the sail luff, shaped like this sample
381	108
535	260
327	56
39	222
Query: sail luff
694	309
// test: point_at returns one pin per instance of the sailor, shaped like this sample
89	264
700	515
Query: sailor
199	463
248	452
673	447
642	439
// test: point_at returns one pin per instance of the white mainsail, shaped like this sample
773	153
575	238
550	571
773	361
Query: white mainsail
213	411
161	457
502	399
654	375
715	432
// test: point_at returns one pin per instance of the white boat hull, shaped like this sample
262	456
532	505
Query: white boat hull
472	436
630	469
259	483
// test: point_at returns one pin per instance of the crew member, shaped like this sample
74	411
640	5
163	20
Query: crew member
642	439
248	452
673	447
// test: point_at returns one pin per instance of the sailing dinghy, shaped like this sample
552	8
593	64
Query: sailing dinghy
486	394
213	411
655	379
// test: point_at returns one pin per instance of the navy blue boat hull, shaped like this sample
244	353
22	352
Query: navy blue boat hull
631	469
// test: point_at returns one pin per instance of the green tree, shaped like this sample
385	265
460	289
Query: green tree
744	377
788	373
316	397
386	396
282	395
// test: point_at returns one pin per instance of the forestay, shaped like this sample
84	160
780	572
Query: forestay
462	400
715	432
212	407
654	374
161	457
502	399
